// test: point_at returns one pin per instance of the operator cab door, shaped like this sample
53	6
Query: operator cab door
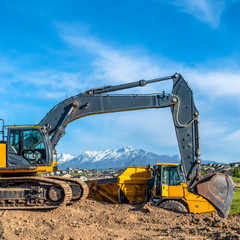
26	146
175	189
161	181
167	181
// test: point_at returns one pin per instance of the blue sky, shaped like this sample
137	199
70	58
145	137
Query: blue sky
51	50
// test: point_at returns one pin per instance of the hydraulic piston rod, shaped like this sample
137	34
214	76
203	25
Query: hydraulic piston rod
140	83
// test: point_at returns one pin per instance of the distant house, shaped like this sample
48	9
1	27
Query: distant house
210	170
222	166
69	170
63	171
234	164
226	168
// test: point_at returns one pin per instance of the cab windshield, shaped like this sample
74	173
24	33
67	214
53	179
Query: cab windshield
28	147
32	139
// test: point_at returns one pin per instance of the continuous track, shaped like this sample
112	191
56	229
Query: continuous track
79	188
33	193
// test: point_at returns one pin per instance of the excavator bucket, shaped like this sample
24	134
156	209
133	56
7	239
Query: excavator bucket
217	188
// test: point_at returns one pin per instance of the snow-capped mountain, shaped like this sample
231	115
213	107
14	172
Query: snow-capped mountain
123	157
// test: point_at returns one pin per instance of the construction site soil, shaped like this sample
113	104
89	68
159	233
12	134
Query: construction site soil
94	220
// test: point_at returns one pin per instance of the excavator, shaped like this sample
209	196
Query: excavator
26	151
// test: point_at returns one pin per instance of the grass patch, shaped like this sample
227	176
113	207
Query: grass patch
235	206
76	174
236	180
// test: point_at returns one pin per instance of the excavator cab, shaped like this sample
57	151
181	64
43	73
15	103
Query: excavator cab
28	146
25	149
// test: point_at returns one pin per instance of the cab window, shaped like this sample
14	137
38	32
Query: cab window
32	139
33	147
165	175
15	141
28	144
174	178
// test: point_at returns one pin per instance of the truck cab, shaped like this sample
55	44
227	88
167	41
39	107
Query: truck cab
168	180
170	190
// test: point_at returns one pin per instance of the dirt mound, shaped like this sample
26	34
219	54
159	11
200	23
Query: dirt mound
94	220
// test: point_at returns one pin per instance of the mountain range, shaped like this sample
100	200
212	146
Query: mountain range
117	158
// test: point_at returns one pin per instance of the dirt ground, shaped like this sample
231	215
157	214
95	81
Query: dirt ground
94	220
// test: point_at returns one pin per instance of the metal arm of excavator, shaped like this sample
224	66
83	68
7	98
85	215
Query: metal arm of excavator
185	118
94	101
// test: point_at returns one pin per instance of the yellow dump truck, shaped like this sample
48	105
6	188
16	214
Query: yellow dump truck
164	184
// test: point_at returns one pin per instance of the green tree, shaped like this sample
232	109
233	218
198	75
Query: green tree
236	172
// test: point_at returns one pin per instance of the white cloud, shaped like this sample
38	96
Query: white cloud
211	130
114	64
218	83
118	65
50	84
233	137
51	79
219	141
207	11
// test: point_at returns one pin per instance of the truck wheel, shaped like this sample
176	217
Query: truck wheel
148	194
173	205
122	198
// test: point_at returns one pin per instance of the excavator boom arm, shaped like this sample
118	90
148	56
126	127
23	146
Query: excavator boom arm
185	118
96	101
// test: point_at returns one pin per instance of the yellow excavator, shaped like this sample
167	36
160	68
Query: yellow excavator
28	150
